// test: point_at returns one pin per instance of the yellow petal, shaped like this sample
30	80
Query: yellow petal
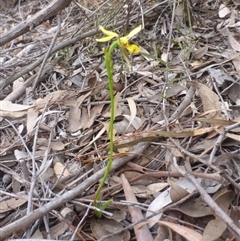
124	42
104	39
133	48
134	32
107	32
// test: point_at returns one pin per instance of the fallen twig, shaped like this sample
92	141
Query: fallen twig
220	139
48	52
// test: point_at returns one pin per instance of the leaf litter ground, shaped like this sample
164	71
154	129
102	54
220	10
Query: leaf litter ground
177	129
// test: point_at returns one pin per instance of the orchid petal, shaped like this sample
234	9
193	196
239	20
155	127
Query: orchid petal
133	48
108	33
124	41
105	39
134	32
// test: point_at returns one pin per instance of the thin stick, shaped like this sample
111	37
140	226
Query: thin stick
220	139
48	52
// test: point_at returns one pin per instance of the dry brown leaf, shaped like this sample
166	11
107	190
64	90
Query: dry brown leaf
234	92
235	214
20	155
236	61
209	99
106	226
60	170
136	122
163	199
176	192
174	134
150	75
187	233
69	214
57	145
57	230
175	89
99	134
223	158
51	98
216	121
8	106
233	42
84	118
32	116
133	109
205	146
45	165
233	136
121	127
216	227
12	203
214	230
74	118
198	64
179	13
202	131
142	232
164	57
157	187
95	112
142	191
199	53
194	207
116	101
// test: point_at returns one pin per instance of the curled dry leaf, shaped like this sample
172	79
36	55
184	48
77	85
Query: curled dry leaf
69	214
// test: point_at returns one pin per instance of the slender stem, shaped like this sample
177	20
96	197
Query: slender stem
109	67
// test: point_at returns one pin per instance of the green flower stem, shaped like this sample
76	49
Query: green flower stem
114	45
109	68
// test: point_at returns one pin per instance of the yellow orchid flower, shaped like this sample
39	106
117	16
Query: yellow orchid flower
124	41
